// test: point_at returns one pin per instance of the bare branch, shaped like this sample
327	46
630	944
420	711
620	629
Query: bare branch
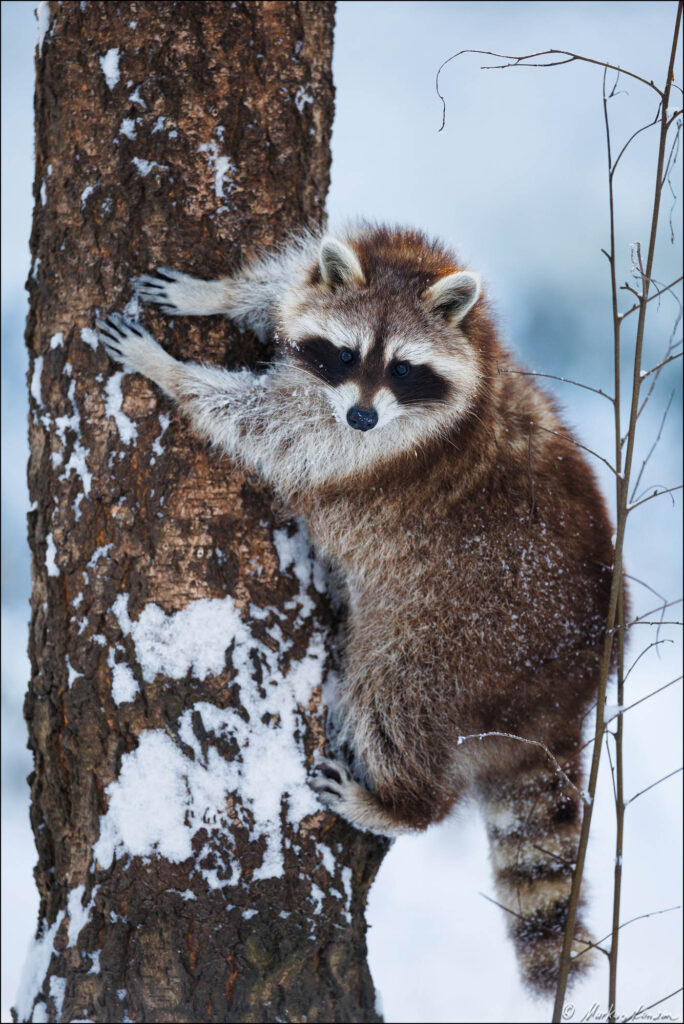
655	643
644	1009
643	583
652	611
612	767
656	369
656	494
652	448
551	376
555	856
672	346
628	288
534	743
623	710
672	155
639	917
656	622
571	440
520	62
632	137
648	696
521	917
656	783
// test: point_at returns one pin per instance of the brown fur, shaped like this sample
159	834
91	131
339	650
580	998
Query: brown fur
480	573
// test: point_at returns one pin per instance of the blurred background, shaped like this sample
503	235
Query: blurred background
517	181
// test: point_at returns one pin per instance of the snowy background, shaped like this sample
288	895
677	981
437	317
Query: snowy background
517	181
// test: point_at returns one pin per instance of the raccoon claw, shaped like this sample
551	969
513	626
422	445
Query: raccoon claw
330	780
164	288
127	342
112	334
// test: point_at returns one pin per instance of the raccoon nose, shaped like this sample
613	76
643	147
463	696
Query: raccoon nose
362	419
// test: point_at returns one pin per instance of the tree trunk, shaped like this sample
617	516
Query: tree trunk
180	632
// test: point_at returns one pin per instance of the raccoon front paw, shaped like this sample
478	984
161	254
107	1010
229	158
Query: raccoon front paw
333	784
129	343
176	293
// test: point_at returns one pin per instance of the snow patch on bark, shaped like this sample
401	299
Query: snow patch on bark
110	66
164	421
295	551
167	792
128	431
135	97
35	968
128	128
57	990
43	19
36	392
124	685
78	914
145	166
51	556
77	459
89	336
222	165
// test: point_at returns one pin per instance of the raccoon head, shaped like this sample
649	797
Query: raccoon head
380	333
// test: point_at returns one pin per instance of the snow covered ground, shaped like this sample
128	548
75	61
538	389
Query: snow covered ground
517	180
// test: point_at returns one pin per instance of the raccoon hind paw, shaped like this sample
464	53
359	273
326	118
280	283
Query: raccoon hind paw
330	780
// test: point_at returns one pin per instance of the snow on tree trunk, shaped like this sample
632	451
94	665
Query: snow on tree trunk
180	633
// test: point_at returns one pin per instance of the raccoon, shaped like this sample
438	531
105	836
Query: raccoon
474	544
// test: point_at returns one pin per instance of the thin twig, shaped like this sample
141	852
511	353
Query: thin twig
551	376
623	710
518	62
652	448
644	1009
648	696
632	137
655	643
619	794
571	440
643	583
653	784
654	369
521	917
656	494
533	743
610	762
652	611
655	622
641	917
556	856
673	158
656	295
672	345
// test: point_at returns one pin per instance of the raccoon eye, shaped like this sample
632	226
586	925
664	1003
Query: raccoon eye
346	356
401	369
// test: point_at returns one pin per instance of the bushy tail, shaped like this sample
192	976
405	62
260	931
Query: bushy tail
533	824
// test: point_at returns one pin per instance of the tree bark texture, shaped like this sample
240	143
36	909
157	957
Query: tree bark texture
180	632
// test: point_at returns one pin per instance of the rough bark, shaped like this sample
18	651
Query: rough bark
203	138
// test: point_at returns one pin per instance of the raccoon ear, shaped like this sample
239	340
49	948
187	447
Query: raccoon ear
339	264
455	295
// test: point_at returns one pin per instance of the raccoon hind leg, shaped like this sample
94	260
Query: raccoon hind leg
340	792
